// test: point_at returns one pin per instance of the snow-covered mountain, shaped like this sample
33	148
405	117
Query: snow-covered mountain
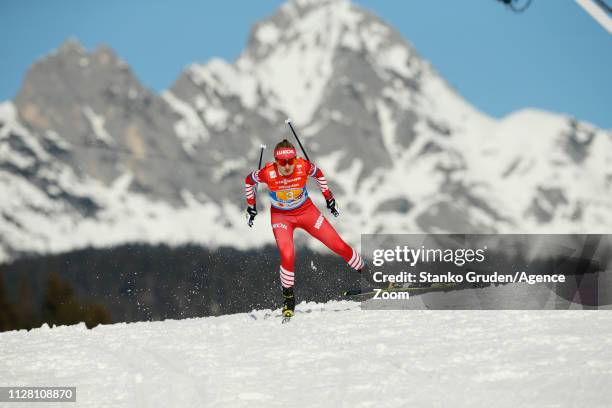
90	156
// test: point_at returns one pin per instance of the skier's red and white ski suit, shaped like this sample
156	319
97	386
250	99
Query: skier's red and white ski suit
292	208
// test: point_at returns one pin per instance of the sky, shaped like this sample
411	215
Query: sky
553	56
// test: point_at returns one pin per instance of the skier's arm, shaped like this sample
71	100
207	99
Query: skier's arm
250	184
318	175
249	187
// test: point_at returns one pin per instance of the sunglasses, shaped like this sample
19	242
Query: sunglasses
284	162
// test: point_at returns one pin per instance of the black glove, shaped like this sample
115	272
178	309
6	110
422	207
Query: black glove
251	213
331	204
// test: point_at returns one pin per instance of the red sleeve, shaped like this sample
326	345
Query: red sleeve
317	174
250	183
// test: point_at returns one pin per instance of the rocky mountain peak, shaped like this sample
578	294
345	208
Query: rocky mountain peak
95	104
303	52
72	46
60	83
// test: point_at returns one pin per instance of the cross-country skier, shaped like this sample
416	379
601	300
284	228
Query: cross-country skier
291	208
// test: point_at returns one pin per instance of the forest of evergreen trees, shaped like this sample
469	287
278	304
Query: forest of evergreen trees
142	282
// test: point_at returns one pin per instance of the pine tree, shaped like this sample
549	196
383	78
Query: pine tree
25	309
8	317
60	306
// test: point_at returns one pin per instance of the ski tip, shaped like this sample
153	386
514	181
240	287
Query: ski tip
287	315
352	292
288	120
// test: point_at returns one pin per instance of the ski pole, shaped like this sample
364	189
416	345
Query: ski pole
288	121
252	217
331	204
262	147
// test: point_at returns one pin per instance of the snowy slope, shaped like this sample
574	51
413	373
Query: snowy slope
331	355
89	156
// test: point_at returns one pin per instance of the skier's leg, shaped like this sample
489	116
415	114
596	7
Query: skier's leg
317	225
282	227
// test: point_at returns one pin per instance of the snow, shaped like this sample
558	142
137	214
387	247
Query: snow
350	224
375	37
216	117
18	160
226	167
531	143
396	58
295	73
387	127
190	129
225	79
8	116
330	354
268	33
294	83
351	41
97	125
57	140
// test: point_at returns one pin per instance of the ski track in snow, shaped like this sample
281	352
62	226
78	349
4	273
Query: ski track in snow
330	355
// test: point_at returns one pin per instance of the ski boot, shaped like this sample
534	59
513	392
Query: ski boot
288	304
